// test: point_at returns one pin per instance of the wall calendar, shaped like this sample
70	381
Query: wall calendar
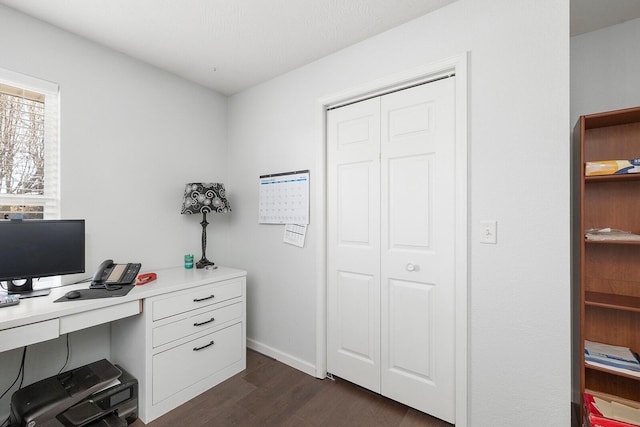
284	198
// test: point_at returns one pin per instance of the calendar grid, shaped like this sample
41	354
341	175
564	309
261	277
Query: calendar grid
284	198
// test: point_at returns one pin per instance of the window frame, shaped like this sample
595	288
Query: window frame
50	200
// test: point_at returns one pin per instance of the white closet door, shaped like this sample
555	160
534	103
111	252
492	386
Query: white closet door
353	216
391	233
417	247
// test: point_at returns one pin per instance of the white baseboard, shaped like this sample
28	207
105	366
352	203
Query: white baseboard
287	359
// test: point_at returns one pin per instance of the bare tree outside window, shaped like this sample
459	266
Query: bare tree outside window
22	147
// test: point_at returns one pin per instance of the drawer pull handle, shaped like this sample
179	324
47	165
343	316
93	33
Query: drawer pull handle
203	347
203	299
204	323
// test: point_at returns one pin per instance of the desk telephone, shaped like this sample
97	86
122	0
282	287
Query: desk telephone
110	274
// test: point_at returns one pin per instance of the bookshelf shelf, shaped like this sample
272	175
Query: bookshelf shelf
611	301
611	372
611	178
612	242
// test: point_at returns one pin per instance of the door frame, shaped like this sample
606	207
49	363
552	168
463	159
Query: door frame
457	65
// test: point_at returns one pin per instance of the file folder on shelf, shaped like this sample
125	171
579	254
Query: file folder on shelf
595	416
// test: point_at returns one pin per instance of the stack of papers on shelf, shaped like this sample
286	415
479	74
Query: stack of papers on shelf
609	234
613	357
604	410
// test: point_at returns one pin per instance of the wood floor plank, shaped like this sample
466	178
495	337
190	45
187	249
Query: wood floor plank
415	418
270	393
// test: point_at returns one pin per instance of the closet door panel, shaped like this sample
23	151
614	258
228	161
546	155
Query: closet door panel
410	204
353	238
411	330
417	247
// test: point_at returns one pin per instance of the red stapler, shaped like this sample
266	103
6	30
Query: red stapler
143	279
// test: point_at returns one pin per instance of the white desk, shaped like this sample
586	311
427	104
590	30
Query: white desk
40	319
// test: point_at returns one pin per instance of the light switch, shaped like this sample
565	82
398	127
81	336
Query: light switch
489	232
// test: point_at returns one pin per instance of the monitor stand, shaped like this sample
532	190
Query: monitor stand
25	290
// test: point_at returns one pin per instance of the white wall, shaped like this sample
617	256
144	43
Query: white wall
604	77
519	176
131	137
604	70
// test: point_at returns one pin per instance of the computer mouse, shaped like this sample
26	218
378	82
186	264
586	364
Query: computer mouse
72	295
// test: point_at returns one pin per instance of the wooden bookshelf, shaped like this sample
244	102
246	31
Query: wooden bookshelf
607	287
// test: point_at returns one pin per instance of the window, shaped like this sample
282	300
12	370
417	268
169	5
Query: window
29	179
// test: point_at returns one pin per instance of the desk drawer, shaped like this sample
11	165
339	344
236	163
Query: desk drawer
183	366
192	299
86	319
197	323
21	336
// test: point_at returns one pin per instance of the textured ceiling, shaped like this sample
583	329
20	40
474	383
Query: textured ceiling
591	15
230	45
227	45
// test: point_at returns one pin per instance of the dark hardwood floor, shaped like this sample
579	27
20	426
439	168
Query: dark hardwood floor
270	393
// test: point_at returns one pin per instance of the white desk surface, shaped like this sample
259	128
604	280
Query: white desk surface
39	309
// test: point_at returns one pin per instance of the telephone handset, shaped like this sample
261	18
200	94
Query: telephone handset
110	274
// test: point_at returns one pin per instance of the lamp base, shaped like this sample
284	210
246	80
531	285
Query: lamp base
203	263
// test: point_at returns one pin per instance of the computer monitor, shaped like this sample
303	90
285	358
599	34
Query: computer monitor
31	249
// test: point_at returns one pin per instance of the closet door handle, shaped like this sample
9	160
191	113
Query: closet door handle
203	299
412	267
204	323
203	347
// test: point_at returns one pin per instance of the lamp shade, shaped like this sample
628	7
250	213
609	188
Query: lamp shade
204	198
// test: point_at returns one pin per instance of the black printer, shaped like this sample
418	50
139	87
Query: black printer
97	394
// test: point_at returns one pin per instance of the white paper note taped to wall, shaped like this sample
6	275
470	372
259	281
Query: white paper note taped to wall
294	234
